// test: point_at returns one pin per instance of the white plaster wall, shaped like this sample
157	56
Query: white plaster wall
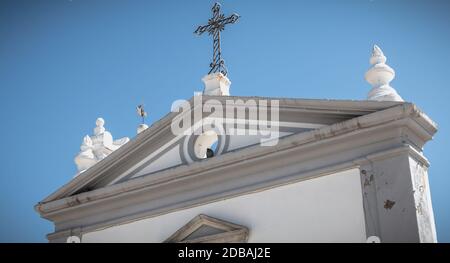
239	141
169	159
324	209
422	199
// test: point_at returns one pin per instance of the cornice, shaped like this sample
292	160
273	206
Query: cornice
302	149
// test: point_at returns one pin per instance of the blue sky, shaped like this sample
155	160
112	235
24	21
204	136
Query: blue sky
64	63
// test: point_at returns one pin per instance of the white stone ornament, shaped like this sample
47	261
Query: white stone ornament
373	239
142	127
96	147
216	84
73	239
85	158
379	76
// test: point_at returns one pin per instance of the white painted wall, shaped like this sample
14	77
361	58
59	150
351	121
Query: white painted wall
324	209
169	159
240	141
422	199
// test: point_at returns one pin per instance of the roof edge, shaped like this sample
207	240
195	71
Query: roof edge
398	112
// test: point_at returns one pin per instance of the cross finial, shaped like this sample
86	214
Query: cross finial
142	113
215	25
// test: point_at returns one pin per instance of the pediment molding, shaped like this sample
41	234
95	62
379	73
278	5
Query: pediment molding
221	231
144	144
398	130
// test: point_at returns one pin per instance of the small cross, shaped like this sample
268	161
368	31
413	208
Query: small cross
215	25
141	112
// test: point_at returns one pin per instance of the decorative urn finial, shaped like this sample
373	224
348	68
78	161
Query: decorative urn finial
99	129
379	76
97	146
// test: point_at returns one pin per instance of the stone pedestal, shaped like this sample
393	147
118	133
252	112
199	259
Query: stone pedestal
216	84
141	128
396	195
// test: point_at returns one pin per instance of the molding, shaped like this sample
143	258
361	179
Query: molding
180	140
231	232
403	149
158	133
307	137
296	158
186	204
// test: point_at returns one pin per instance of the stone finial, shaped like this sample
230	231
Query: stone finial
99	129
97	146
379	76
377	56
142	127
216	84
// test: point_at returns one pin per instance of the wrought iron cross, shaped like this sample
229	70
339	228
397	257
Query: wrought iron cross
215	25
141	112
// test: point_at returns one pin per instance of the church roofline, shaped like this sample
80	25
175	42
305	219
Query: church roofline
350	107
422	126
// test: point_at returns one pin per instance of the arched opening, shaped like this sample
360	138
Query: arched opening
205	145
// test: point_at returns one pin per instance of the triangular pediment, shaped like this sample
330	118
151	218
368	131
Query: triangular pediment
157	149
206	229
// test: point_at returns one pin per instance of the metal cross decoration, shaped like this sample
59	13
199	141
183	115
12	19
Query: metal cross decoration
215	25
141	112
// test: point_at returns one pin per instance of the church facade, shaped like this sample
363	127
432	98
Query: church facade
222	168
